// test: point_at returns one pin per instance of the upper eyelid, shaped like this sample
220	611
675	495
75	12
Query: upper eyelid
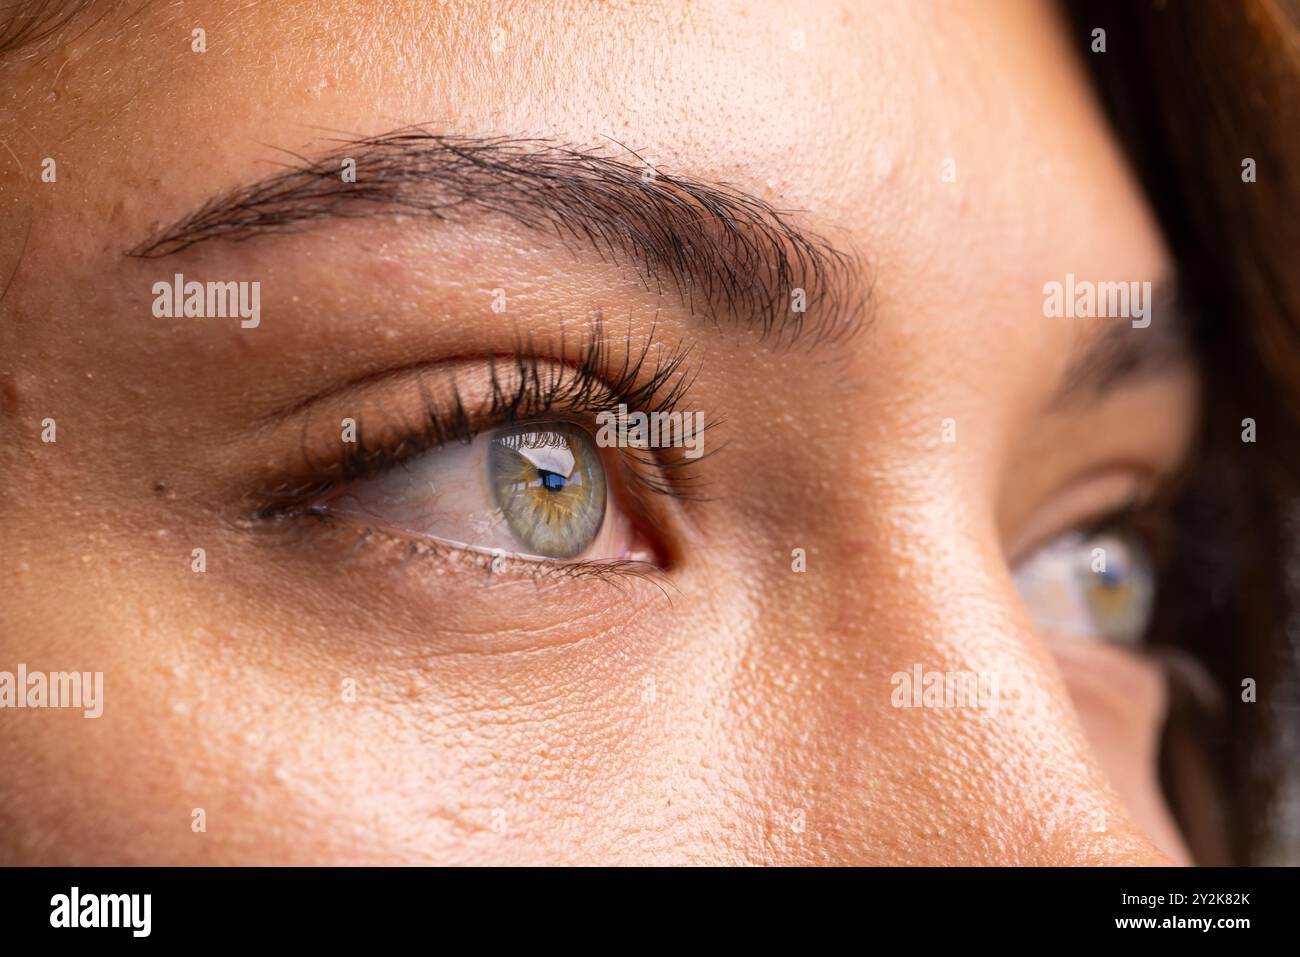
390	438
595	352
1143	506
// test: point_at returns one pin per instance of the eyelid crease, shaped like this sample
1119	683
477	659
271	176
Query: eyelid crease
594	356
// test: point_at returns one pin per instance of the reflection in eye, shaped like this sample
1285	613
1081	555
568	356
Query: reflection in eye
1098	585
535	490
550	486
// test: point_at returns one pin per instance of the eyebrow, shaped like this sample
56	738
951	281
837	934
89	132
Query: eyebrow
1125	355
724	251
27	22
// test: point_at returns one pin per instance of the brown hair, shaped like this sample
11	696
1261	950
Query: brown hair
1203	97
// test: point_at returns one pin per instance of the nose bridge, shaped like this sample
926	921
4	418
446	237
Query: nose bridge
938	706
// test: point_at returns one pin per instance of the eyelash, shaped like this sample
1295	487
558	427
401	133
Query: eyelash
1149	517
524	386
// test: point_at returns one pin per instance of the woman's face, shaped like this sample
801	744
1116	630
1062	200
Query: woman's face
871	623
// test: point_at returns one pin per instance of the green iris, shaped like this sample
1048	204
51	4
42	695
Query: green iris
550	486
1121	596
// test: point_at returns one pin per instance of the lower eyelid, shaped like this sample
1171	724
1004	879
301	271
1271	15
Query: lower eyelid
426	600
357	542
1122	680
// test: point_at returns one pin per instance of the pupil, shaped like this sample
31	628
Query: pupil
551	481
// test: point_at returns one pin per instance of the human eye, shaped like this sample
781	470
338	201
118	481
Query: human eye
497	460
535	490
1097	583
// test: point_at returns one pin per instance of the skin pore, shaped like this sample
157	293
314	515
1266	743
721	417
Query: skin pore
725	709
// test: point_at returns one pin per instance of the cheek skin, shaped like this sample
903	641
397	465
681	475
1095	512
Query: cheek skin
1122	702
710	734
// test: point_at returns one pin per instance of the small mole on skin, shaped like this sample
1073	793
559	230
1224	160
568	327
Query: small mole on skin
9	396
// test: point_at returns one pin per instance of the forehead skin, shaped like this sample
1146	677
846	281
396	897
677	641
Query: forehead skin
771	692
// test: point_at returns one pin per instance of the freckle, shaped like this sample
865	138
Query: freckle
160	487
